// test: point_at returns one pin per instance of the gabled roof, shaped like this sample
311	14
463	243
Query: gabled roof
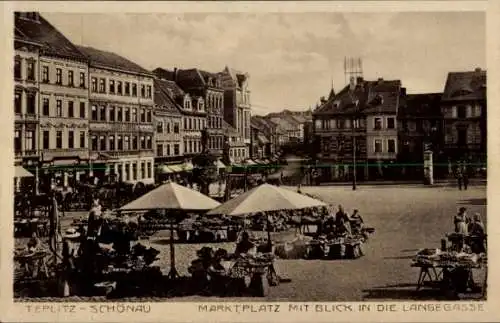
228	129
469	85
381	96
41	31
425	105
101	58
163	99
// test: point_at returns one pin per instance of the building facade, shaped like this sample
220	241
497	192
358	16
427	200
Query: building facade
236	148
121	118
420	129
169	131
463	106
61	73
237	105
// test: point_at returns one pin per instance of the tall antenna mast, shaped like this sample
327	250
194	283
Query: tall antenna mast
353	67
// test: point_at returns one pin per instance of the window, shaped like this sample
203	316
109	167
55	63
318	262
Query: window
71	139
45	74
176	149
58	139
462	111
30	71
159	127
93	142
82	139
127	88
377	124
149	143
120	142
168	150
93	113
82	79
143	115
58	76
119	88
189	124
30	103
340	123
111	141
159	150
71	78
127	172
135	143
102	113
45	140
17	69
102	143
167	128
148	93
143	170
102	86
149	170
82	110
391	146
134	115
378	146
143	142
29	140
134	171
59	112
112	86
71	109
94	84
134	89
149	116
112	113
17	140
18	102
126	145
119	118
45	107
190	146
127	114
390	123
143	90
176	127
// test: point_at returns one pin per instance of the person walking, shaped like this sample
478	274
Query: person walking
459	177
465	177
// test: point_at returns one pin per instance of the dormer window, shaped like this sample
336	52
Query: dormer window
336	103
200	104
187	103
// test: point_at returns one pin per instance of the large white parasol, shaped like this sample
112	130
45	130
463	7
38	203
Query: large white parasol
172	197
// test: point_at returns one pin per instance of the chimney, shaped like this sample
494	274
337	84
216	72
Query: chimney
477	70
323	100
380	80
175	74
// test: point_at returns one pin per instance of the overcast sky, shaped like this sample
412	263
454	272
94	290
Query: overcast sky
292	58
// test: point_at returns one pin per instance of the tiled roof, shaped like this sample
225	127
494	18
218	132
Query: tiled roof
465	86
162	97
105	59
426	105
262	139
177	92
381	96
228	129
41	31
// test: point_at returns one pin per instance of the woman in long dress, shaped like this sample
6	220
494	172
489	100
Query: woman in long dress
461	221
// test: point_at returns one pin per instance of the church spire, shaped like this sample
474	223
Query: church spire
332	92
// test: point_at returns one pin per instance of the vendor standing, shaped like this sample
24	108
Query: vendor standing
342	221
477	234
461	221
356	221
245	246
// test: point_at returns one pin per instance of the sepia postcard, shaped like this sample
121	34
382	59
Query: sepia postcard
249	161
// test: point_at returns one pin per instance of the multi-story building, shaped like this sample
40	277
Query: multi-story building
169	134
237	105
236	148
339	126
381	110
61	102
194	119
207	92
420	129
463	106
121	117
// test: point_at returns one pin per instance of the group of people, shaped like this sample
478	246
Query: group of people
472	229
340	223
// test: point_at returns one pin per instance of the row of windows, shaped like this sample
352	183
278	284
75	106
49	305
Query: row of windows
167	127
129	172
120	114
30	102
30	69
194	124
214	122
120	88
215	142
192	146
29	140
69	80
390	147
72	140
237	152
106	142
168	150
378	123
466	111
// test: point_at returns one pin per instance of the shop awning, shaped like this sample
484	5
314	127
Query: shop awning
176	168
20	172
164	169
220	164
187	166
250	162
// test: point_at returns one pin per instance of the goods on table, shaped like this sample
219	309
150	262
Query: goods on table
438	258
340	247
